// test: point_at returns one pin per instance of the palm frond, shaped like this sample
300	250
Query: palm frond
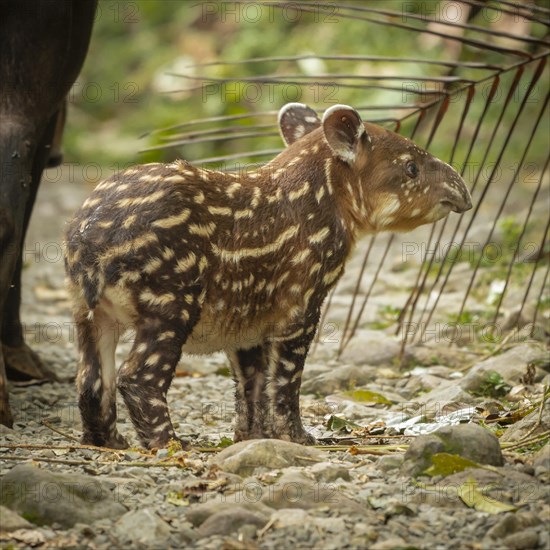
475	92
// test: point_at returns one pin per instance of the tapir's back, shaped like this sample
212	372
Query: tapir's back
203	261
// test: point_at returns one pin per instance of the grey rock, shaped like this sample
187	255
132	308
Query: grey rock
4	430
11	521
328	471
295	489
508	524
371	347
513	319
504	484
142	526
511	365
290	516
46	498
423	382
541	462
390	543
389	462
441	371
449	356
230	520
339	378
524	540
433	403
199	513
245	457
467	440
518	430
512	523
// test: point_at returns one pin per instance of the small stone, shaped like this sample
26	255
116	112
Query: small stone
162	453
524	540
10	521
518	430
371	347
508	524
245	457
230	520
289	516
467	440
389	544
541	462
4	430
423	382
389	462
328	471
45	498
142	526
295	489
247	531
511	365
199	513
504	484
339	378
433	403
84	529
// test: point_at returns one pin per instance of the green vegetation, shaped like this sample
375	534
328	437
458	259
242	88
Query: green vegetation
387	316
493	385
140	76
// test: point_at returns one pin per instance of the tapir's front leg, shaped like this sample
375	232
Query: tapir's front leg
250	370
286	357
21	363
18	189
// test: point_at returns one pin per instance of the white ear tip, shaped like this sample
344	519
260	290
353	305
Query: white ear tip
289	106
338	107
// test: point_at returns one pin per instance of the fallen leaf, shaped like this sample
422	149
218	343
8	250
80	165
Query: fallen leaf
366	396
444	464
48	294
176	499
225	442
474	498
338	424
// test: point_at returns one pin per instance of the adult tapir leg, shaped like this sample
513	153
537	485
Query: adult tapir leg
42	47
21	362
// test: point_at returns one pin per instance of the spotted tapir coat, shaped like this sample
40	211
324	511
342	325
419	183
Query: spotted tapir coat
203	261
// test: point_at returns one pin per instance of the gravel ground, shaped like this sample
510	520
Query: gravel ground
272	494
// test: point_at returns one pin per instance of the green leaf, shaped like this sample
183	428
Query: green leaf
366	396
338	424
444	464
224	371
225	442
176	499
474	498
493	385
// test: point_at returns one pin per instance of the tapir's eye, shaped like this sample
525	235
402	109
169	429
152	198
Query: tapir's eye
412	169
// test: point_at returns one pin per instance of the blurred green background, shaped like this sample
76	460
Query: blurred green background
128	87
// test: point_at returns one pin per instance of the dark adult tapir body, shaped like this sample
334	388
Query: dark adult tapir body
43	44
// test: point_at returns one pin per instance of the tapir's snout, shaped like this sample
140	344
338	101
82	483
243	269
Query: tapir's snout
455	192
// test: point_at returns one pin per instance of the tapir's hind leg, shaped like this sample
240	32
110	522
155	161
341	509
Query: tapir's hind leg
96	380
146	375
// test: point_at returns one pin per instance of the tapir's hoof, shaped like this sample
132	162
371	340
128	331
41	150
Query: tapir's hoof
115	441
23	364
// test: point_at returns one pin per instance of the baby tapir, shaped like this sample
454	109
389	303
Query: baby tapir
202	261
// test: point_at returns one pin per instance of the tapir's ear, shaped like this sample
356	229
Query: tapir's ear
343	129
296	120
